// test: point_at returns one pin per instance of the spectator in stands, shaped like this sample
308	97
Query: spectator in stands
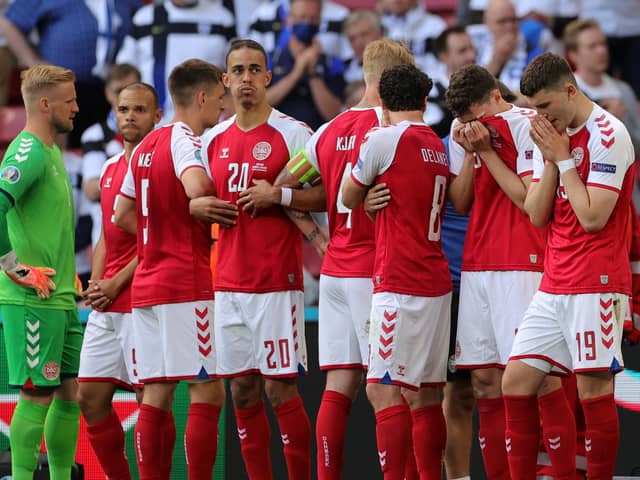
409	21
82	36
453	47
361	27
502	49
619	22
99	142
268	27
7	60
169	32
301	71
586	47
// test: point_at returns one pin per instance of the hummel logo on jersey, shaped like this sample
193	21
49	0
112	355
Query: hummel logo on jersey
345	143
483	442
242	433
23	149
285	439
554	443
107	183
507	444
587	444
383	458
224	153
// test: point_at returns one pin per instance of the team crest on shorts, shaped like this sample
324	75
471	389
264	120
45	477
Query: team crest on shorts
261	151
51	370
10	174
578	155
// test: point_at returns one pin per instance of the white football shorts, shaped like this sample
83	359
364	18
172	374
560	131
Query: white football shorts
343	322
261	333
409	340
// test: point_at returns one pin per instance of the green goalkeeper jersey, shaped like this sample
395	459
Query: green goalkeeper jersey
41	222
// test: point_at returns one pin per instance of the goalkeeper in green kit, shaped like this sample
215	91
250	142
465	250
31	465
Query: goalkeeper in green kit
42	331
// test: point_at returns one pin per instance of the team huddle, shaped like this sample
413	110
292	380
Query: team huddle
545	283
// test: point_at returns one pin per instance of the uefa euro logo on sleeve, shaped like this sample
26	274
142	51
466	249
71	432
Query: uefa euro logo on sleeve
10	174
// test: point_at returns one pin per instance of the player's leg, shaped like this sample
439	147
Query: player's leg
458	404
102	365
538	348
201	435
595	335
237	359
343	341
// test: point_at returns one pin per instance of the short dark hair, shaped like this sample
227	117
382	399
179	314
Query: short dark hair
506	93
189	76
245	43
145	87
440	42
404	88
469	85
546	72
120	71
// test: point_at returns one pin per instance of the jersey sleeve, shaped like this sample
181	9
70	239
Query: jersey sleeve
311	146
374	157
186	150
456	153
537	164
21	168
610	158
128	188
524	146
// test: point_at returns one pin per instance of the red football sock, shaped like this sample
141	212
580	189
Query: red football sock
393	433
295	430
168	443
522	435
201	440
331	424
107	439
602	436
429	439
411	467
492	437
254	433
559	433
148	441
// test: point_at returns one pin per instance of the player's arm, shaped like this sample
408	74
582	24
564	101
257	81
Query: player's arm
461	161
514	186
538	203
125	214
378	197
353	193
19	43
373	160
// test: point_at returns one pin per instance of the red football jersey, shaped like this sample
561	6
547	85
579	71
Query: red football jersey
263	253
333	151
581	262
119	245
500	236
411	160
173	246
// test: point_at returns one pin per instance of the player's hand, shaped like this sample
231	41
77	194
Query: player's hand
378	197
213	210
459	136
34	277
631	330
553	145
478	136
101	293
259	197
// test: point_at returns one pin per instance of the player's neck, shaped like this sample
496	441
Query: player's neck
584	107
191	118
371	98
248	119
42	130
128	150
414	116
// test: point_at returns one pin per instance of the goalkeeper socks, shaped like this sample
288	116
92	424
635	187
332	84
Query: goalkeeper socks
295	430
168	444
25	437
559	433
254	433
107	439
522	435
331	425
393	433
149	442
602	436
429	439
61	437
201	440
491	436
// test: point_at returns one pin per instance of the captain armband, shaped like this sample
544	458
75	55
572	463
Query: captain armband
302	169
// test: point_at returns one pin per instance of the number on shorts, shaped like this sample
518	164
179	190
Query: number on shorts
587	345
239	178
435	221
144	187
283	353
341	208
